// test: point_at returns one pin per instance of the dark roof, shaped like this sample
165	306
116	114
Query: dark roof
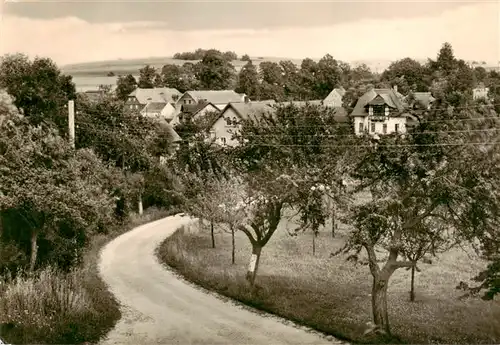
248	110
154	107
377	96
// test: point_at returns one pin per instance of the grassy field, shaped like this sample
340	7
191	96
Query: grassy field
332	295
54	308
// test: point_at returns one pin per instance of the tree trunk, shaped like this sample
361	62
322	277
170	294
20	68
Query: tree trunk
233	252
212	233
254	264
34	250
379	303
412	288
140	205
334	222
314	243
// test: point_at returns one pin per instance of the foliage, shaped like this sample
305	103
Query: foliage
147	77
124	86
215	72
38	87
248	81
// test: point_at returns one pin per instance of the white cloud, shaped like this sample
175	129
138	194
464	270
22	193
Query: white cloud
474	32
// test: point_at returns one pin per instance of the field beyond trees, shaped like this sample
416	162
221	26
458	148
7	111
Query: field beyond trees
331	294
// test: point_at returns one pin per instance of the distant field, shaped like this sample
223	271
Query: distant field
88	76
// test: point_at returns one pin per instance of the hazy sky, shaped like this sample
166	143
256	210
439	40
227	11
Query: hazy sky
79	31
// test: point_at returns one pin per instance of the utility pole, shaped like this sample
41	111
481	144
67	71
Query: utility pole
71	122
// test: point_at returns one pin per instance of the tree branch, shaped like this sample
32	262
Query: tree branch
247	230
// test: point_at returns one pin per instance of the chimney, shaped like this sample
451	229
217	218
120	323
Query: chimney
395	87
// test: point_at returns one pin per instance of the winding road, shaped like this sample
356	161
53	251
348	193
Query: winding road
158	308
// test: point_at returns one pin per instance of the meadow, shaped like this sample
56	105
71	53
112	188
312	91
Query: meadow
331	294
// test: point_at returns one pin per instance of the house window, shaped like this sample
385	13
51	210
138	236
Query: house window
131	106
234	121
223	139
228	121
370	111
386	111
378	111
361	127
396	127
372	127
189	102
384	128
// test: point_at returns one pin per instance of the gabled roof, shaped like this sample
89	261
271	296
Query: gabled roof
159	94
248	110
216	96
388	96
168	127
154	107
203	106
336	93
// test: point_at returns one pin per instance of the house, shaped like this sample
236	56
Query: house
228	122
159	109
193	112
334	98
174	139
380	111
480	92
219	98
139	98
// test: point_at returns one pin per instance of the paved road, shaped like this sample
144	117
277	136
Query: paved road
158	308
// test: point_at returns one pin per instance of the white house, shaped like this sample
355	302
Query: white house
159	109
334	98
219	98
480	92
380	111
228	122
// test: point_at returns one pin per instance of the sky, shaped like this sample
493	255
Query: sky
79	31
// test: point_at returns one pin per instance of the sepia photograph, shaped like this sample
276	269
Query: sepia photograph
249	172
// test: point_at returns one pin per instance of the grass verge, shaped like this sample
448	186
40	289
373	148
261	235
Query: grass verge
55	308
333	296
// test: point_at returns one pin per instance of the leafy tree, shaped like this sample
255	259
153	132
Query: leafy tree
309	72
271	76
214	72
147	76
124	86
52	191
248	81
158	81
230	56
407	74
283	157
361	73
246	57
291	79
428	187
39	88
329	75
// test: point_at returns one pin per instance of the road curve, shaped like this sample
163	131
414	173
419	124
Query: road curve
158	308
